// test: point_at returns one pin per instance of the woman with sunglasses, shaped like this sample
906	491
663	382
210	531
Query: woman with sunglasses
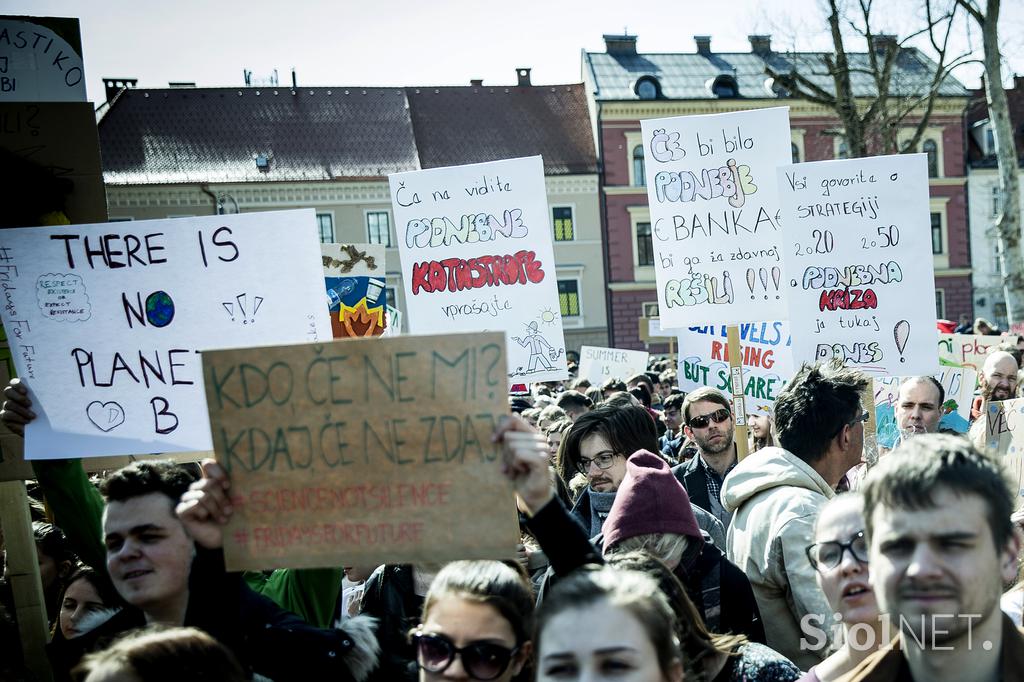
839	556
477	624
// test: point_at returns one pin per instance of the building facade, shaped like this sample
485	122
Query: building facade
174	152
985	201
625	87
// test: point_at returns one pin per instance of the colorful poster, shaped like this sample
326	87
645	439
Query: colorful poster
1004	437
356	289
958	383
106	321
857	246
475	244
767	361
363	451
600	364
711	187
966	350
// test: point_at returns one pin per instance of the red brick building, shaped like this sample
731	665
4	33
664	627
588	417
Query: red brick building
625	86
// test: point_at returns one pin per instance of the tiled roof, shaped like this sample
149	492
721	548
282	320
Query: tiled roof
193	135
457	125
190	135
689	76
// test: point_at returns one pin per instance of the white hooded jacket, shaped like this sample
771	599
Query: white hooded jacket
775	498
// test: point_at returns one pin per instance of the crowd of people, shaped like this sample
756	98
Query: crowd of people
650	551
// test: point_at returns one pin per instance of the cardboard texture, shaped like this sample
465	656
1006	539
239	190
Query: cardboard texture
59	137
363	451
1004	438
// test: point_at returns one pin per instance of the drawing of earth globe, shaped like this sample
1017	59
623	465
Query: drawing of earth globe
159	309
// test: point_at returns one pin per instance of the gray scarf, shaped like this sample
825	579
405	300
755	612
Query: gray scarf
600	505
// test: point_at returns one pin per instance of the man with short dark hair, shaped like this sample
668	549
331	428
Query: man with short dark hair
775	495
671	442
919	406
942	546
708	422
612	386
574	404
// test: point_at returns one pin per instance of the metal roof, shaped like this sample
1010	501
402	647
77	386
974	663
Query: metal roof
690	75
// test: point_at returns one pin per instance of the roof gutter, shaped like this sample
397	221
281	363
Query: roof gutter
205	189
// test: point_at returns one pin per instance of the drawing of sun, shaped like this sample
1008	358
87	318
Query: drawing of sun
548	317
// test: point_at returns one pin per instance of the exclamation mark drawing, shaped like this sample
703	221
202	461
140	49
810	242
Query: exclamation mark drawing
777	278
763	273
750	282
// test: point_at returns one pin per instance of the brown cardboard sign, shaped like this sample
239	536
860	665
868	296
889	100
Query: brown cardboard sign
363	450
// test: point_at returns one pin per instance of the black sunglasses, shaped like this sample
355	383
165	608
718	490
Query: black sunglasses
481	660
701	422
830	554
863	418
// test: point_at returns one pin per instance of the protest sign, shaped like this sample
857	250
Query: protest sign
41	60
767	361
966	350
600	364
355	281
859	257
715	215
106	321
363	451
958	384
475	244
1004	437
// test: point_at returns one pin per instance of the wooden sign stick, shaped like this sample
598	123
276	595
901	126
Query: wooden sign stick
736	374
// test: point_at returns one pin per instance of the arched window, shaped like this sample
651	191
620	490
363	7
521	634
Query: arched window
795	152
638	166
725	86
647	87
930	148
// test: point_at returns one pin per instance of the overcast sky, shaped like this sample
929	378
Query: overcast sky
417	42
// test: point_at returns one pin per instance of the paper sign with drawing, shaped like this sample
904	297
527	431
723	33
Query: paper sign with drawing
475	244
354	275
966	350
714	204
106	321
958	392
1004	437
767	361
858	252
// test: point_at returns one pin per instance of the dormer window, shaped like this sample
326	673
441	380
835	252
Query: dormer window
724	86
647	87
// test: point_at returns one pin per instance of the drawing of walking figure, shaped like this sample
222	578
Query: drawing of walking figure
537	343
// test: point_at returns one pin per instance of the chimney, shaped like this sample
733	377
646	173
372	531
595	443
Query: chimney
116	85
620	45
477	82
703	44
885	41
524	77
760	44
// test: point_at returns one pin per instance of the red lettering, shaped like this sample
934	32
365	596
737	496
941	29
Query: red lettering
458	274
716	351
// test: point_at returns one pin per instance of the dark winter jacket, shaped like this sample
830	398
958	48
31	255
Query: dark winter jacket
711	578
389	596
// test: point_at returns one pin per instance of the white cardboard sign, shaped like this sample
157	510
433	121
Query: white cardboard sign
475	245
711	187
106	321
859	257
600	364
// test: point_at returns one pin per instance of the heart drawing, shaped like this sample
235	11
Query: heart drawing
105	416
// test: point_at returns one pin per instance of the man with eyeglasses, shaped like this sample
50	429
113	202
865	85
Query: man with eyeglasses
941	547
775	495
707	419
